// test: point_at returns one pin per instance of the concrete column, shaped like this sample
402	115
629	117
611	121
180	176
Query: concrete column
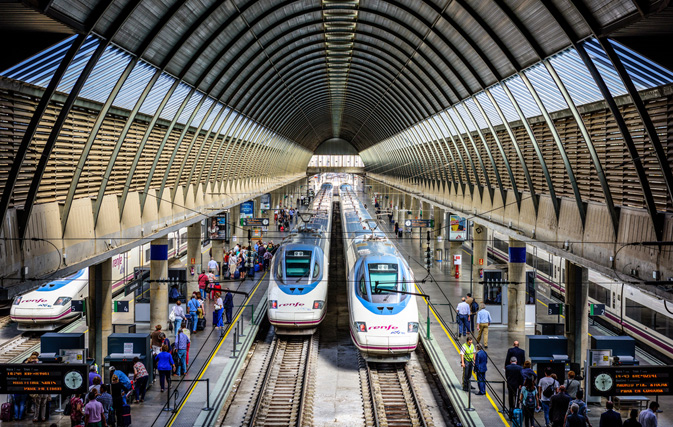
159	290
577	314
99	310
479	259
193	257
516	289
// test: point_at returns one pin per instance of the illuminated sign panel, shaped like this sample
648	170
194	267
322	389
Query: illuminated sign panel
631	380
43	378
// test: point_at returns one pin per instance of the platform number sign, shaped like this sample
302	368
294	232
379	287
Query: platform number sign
77	306
555	309
121	306
597	310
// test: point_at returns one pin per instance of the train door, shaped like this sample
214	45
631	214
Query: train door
530	298
495	297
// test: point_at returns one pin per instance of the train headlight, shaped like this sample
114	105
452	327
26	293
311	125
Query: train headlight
361	326
412	327
274	304
62	300
17	300
318	305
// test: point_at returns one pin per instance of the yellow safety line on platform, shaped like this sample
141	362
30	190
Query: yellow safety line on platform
488	396
217	350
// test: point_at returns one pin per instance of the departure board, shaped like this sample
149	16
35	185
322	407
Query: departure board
631	380
43	378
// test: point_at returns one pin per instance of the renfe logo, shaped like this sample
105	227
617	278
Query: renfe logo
386	327
37	301
292	304
118	262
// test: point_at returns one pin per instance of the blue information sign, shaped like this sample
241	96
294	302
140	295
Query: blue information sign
247	209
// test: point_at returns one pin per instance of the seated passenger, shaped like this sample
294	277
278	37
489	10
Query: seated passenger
174	294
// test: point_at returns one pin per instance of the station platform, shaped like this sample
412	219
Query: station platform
210	358
445	293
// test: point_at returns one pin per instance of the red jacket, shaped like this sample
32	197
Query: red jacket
203	281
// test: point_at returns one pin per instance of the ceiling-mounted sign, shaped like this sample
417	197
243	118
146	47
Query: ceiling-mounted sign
247	209
423	223
631	380
255	222
265	202
457	228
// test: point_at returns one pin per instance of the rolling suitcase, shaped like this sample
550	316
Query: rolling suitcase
237	275
126	415
201	324
6	411
517	418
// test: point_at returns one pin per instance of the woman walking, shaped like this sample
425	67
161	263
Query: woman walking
219	310
165	366
140	377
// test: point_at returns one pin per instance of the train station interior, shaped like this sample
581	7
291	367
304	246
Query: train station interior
383	204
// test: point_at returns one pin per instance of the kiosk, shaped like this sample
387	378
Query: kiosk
623	347
52	344
547	348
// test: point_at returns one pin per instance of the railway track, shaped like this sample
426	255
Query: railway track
15	348
389	396
4	321
285	392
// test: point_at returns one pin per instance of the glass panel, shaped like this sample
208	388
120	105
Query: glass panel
384	274
77	65
134	85
39	69
105	75
523	97
297	263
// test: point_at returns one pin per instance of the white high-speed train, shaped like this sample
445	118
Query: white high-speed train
628	309
299	273
383	320
48	307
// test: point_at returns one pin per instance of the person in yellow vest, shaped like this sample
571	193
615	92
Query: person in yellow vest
467	352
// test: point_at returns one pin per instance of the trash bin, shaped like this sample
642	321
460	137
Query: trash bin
438	255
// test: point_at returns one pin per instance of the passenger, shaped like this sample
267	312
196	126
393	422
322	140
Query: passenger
118	400
95	387
251	261
140	376
463	310
610	418
105	398
33	356
156	340
469	300
92	374
93	412
480	367
213	266
546	389
203	282
467	362
174	294
165	366
582	407
514	382
193	311
76	410
530	402
268	254
123	379
528	372
178	314
575	419
483	322
515	352
558	406
572	385
233	264
633	419
228	305
218	311
181	344
648	418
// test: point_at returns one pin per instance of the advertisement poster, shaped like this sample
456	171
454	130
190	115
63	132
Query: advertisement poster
247	209
457	228
217	228
265	203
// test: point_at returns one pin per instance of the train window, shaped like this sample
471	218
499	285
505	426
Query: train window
542	265
297	263
383	274
501	245
316	270
599	293
649	318
363	287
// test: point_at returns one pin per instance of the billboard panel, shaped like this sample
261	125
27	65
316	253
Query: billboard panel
457	228
265	202
217	228
247	209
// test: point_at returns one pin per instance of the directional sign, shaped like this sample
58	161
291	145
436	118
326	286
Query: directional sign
555	308
121	306
631	380
597	310
419	223
77	305
255	222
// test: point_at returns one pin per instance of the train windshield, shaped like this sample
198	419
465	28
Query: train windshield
297	263
384	275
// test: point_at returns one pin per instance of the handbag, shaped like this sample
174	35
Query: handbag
218	307
171	316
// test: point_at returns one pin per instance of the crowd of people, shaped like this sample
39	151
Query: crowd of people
562	405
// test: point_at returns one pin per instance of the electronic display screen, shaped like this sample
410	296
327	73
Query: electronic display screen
630	380
43	378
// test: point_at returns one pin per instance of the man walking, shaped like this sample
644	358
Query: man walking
648	418
228	305
181	342
463	310
514	382
610	418
213	266
558	407
546	389
481	366
483	322
515	352
193	309
467	352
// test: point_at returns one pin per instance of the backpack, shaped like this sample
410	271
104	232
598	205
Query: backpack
529	398
549	391
474	306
